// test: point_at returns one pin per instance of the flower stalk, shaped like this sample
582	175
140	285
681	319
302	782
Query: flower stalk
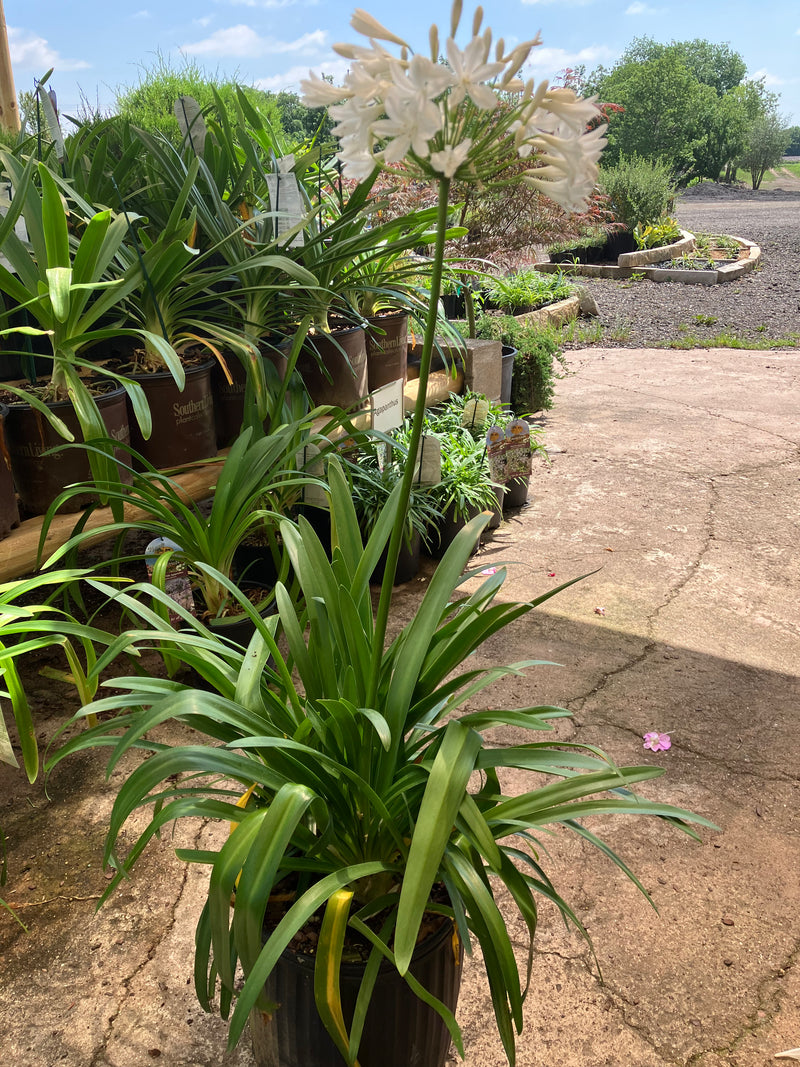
395	540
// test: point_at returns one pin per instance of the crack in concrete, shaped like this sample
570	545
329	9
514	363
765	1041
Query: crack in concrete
651	645
708	412
768	1004
97	1059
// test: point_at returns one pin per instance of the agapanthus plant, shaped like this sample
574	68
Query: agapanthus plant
463	117
468	117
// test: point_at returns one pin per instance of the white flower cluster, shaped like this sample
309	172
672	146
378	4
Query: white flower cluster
461	118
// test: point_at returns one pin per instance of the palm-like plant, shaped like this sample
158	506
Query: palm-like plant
355	806
65	285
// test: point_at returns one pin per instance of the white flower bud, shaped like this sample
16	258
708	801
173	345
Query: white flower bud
433	38
477	19
362	22
455	17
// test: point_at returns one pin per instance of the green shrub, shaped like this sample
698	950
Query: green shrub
149	105
533	384
641	191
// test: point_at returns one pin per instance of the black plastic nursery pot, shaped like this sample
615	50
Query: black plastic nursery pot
240	628
450	359
183	421
407	562
9	510
516	493
608	251
454	305
497	510
387	349
343	355
400	1030
451	525
40	478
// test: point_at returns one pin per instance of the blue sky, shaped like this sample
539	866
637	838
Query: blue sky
96	46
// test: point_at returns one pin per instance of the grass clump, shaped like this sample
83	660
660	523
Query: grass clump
527	288
149	105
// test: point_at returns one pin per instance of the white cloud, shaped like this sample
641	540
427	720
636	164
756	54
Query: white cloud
143	14
244	43
638	8
771	80
262	3
549	61
561	3
335	66
30	52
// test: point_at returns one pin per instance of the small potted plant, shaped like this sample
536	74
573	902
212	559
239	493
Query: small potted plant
373	478
254	474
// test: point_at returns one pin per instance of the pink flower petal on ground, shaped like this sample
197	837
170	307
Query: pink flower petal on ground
600	611
657	742
551	574
490	570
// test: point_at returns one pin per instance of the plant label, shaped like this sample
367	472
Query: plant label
387	406
429	461
286	204
177	583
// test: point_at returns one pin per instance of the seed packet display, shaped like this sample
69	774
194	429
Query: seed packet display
518	450
509	451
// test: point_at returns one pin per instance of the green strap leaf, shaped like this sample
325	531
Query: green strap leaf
443	797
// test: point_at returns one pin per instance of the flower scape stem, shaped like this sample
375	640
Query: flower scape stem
395	540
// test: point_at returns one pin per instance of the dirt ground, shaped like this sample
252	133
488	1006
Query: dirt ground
673	486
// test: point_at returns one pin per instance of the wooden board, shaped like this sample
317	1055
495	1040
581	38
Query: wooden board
19	553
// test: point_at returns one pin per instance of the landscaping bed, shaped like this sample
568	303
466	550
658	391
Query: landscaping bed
761	308
721	259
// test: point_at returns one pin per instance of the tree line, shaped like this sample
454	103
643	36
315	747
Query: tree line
690	106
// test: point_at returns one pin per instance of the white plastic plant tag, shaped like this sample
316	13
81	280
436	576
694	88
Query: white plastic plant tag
177	583
286	202
429	461
387	406
305	461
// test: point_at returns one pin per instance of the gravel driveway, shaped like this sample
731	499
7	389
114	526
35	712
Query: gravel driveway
764	304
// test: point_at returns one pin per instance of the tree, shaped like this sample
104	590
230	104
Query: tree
301	123
686	103
768	138
716	65
793	147
665	111
725	136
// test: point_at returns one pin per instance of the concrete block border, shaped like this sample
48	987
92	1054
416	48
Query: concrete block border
728	272
554	314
